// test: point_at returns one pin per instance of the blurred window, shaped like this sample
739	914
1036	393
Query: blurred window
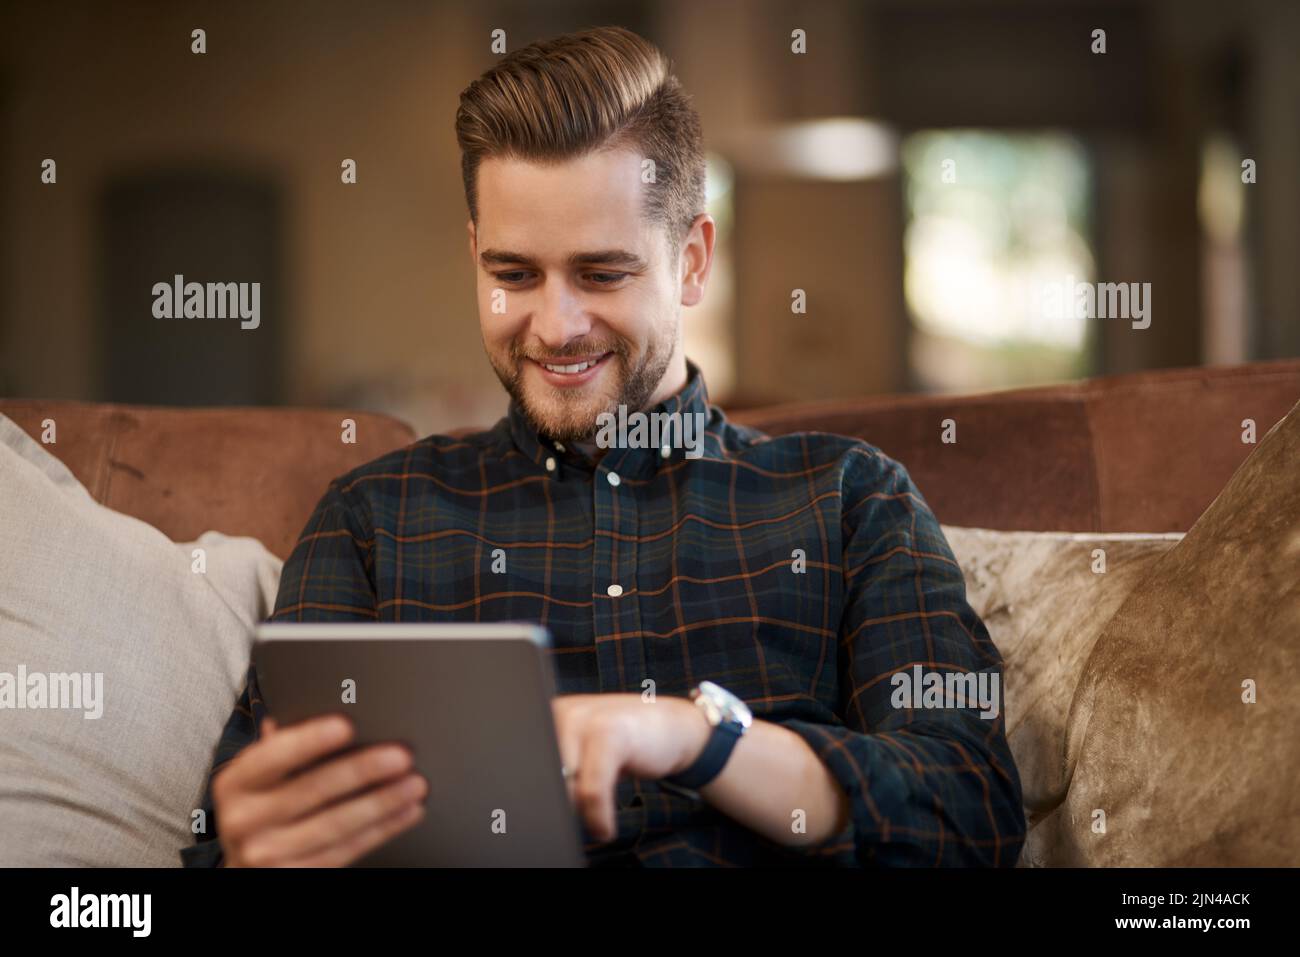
992	220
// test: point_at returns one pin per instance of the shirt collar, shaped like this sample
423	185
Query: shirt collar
555	457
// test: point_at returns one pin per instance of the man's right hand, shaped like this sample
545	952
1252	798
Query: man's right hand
273	812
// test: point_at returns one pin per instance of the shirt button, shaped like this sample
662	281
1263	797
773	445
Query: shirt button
550	464
666	451
613	591
613	478
559	446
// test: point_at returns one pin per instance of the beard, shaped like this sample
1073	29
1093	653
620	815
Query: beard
570	415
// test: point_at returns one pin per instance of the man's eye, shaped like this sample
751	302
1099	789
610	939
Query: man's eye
605	278
517	275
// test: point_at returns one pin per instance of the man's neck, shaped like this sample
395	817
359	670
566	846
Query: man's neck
674	381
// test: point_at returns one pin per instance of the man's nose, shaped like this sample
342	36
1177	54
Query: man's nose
560	316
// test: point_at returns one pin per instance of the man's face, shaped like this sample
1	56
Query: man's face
578	297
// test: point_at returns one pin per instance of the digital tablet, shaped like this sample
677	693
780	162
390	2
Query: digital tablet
473	702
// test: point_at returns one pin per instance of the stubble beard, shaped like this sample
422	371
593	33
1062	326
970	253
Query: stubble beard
570	417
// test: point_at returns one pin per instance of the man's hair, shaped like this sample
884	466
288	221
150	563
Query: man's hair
603	88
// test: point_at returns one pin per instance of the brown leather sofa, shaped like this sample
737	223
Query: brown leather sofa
1145	452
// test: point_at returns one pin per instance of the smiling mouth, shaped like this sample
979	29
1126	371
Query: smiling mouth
570	370
572	367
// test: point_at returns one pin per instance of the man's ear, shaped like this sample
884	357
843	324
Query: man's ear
697	259
473	242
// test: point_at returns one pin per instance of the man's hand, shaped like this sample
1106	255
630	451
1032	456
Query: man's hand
604	736
273	812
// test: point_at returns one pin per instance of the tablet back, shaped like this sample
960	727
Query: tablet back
473	704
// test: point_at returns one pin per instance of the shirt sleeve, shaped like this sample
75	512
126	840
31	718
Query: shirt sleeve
327	577
928	785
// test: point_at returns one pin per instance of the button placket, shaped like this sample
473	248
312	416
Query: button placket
621	662
604	603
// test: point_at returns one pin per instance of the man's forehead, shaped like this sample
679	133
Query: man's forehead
586	210
613	167
586	193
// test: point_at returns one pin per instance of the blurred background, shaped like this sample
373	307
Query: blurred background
918	172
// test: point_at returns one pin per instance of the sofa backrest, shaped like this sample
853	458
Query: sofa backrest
241	471
1146	452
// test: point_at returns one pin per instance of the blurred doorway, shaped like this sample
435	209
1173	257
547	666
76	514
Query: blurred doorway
209	227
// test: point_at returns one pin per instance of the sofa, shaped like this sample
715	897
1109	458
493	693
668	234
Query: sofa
1030	485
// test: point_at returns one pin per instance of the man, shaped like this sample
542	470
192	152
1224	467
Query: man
797	575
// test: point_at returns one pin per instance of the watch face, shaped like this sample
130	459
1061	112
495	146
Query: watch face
721	705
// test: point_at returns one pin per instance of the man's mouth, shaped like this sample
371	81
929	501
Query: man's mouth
571	372
571	369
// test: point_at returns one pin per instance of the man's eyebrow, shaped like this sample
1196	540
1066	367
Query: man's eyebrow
603	257
502	257
609	257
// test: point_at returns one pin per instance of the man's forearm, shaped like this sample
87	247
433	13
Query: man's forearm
774	783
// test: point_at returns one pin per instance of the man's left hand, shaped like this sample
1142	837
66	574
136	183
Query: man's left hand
605	736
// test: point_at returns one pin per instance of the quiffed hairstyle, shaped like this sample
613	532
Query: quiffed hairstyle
603	88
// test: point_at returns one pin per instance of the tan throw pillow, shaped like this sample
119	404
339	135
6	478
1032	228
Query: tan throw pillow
119	665
1045	598
1185	730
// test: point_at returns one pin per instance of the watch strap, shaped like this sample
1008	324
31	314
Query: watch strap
717	750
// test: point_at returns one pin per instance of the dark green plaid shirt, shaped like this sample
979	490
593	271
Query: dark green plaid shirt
800	572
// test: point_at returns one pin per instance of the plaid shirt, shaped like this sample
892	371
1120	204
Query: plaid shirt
799	572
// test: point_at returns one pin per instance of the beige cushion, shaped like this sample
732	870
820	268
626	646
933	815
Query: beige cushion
1045	600
85	590
1185	771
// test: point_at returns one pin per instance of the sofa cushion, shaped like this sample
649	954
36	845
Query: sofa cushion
1045	598
1183	730
99	606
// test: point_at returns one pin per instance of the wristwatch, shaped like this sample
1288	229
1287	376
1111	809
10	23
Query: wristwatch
729	718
